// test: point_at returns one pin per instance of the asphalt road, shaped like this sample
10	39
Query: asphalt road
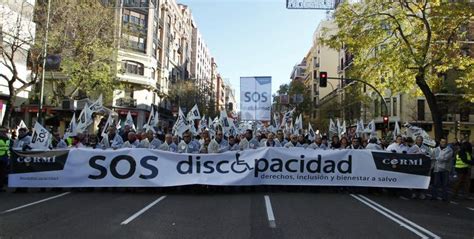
244	214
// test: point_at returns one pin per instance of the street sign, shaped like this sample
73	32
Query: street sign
312	4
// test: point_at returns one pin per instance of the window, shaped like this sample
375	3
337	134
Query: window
464	114
394	106
134	42
421	110
132	67
389	105
376	108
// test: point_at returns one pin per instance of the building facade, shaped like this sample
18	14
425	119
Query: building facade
17	29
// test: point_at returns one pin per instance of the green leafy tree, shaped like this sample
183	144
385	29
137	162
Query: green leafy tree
186	95
402	44
82	34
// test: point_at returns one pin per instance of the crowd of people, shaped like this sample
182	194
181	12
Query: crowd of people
448	160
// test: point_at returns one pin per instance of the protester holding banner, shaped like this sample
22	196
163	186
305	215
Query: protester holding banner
423	147
144	142
344	142
113	140
57	142
412	148
270	141
397	146
355	144
293	142
205	146
188	145
281	137
335	143
168	145
302	141
373	144
132	141
222	143
77	141
23	139
442	165
252	142
153	139
233	144
318	144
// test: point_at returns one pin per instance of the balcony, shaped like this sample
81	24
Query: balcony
136	5
126	102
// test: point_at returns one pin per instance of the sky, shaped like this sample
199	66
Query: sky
255	37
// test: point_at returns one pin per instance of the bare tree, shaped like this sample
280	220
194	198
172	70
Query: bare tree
18	34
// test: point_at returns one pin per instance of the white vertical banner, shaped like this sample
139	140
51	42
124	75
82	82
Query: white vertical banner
256	98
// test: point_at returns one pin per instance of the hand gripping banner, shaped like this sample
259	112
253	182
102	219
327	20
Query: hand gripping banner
263	166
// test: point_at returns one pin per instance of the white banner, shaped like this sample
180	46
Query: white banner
264	166
256	98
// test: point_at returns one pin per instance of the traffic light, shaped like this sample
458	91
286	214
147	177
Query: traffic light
323	79
385	120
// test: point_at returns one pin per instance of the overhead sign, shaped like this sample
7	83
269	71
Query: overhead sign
263	166
256	98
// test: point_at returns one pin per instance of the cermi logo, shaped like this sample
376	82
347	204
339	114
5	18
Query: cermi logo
396	162
417	164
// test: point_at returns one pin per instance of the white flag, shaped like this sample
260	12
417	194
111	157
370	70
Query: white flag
396	130
341	129
311	133
414	131
287	117
180	126
194	113
202	123
129	121
360	128
151	123
21	125
71	130
370	129
276	121
224	121
108	123
119	124
332	128
40	138
97	105
85	119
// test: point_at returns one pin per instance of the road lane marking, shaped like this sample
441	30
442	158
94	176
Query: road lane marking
453	202
137	214
470	208
404	198
420	228
391	217
34	203
270	215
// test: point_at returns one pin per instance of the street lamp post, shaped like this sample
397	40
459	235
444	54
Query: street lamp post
45	52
